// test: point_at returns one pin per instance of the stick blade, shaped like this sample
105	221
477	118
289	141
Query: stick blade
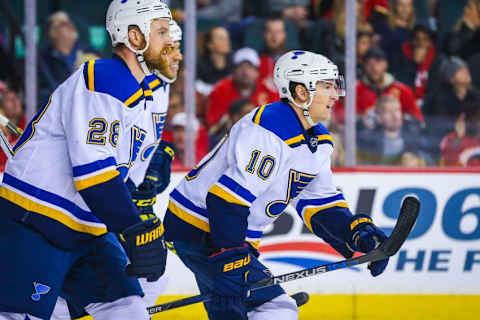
406	219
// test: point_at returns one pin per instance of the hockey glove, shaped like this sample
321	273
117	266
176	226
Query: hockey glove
365	237
144	197
229	268
158	171
144	245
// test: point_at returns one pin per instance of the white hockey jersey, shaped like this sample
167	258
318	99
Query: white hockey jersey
264	164
134	164
75	143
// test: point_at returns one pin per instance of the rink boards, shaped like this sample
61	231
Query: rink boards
436	274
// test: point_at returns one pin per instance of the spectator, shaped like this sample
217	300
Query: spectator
412	159
464	41
243	83
455	95
375	82
328	37
274	36
389	140
62	54
458	147
10	107
216	61
178	124
413	65
397	28
237	110
364	43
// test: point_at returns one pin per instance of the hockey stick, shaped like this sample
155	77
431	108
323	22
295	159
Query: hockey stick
10	126
406	220
4	143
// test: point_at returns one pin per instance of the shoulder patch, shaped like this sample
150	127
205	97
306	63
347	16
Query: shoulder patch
111	77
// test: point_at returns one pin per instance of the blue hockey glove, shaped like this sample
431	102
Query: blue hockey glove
365	237
144	197
144	245
230	270
158	171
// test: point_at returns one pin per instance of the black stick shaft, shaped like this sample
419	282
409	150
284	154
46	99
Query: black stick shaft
406	219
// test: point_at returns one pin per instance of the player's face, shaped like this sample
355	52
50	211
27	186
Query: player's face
323	100
160	41
174	57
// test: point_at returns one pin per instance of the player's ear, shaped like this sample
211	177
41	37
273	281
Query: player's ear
136	38
301	93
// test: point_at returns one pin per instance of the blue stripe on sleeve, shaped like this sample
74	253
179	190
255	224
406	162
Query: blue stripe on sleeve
49	198
237	188
187	203
93	166
254	234
317	202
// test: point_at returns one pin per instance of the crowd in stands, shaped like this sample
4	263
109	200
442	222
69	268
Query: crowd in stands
418	72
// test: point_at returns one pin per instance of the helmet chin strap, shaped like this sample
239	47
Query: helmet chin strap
164	78
305	108
143	63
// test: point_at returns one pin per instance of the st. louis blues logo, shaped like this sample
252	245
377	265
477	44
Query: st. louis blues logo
296	54
39	290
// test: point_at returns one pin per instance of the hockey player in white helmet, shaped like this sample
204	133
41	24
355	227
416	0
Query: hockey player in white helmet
150	173
146	183
276	155
63	196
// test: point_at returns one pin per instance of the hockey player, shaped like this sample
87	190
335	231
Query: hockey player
61	192
150	174
275	155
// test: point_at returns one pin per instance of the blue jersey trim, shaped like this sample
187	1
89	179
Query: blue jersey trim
187	203
317	202
254	234
280	119
50	198
93	166
106	74
237	188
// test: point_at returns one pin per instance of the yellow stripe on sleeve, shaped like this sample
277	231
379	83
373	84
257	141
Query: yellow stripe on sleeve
295	139
259	114
92	181
325	137
310	212
134	97
155	83
91	75
51	213
219	192
188	218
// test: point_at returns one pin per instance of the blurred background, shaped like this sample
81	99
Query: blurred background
410	122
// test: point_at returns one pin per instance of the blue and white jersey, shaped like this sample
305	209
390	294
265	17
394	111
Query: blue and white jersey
267	162
148	129
74	143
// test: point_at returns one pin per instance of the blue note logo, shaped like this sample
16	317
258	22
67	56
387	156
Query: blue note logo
296	54
39	290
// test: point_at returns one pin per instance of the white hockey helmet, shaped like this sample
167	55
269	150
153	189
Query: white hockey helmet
175	31
306	68
123	13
